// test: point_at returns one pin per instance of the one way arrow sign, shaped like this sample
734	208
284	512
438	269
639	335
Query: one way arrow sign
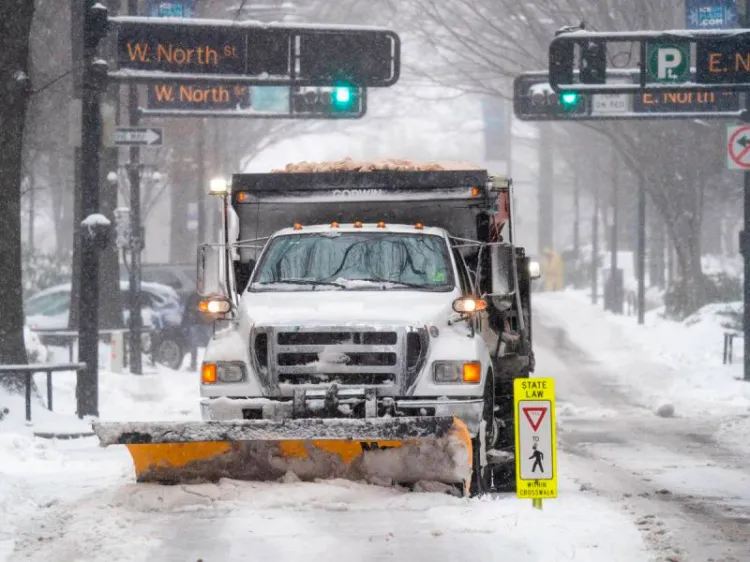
139	136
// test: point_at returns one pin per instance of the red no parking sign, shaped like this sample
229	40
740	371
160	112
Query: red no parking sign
738	147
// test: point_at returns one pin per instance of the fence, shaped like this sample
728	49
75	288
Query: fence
29	370
68	338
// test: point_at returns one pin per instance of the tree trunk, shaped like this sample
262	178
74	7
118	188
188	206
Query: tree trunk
15	29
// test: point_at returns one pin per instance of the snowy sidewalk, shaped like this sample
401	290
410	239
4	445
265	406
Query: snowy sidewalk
662	362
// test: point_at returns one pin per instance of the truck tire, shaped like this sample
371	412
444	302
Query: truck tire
481	478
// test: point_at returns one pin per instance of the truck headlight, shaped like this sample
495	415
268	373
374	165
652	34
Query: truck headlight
469	372
212	373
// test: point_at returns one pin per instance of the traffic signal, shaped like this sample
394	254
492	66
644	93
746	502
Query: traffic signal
343	98
569	101
593	63
332	102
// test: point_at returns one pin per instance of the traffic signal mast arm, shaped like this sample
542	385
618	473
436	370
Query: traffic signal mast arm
721	62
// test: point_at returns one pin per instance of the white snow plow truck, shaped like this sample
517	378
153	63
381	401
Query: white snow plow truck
369	325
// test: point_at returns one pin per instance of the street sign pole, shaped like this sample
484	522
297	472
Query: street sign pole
136	239
94	79
641	248
744	242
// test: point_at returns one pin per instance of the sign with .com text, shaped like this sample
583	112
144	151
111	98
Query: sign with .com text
711	14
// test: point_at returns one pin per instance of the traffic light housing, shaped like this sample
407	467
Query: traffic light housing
341	101
593	63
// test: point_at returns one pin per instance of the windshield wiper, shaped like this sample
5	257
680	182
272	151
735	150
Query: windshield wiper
304	282
401	283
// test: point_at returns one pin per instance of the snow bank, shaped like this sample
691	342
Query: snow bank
667	363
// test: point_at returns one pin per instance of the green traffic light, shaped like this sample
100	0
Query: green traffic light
342	98
569	100
342	95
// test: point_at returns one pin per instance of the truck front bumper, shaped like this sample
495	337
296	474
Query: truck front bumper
469	410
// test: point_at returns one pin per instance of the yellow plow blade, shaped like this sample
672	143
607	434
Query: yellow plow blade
383	451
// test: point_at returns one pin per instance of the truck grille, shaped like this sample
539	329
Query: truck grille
345	356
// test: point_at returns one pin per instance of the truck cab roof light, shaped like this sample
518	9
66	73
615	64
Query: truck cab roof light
297	226
357	224
419	226
335	224
381	224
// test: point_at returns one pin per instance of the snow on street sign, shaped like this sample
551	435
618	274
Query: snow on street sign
738	147
139	136
536	451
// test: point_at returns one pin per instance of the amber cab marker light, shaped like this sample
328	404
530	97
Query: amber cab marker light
297	226
472	372
357	224
335	224
381	224
468	305
419	226
208	373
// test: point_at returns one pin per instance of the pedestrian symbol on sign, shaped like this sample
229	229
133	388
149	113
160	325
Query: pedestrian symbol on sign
538	457
668	62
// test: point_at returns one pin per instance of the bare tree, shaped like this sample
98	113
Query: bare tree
15	29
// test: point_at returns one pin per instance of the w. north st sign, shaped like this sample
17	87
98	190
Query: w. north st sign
255	53
668	62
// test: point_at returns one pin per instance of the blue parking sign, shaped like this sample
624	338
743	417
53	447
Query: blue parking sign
711	14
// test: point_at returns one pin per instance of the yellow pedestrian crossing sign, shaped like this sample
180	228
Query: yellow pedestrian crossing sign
536	451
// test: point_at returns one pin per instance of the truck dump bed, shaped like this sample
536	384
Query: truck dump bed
451	199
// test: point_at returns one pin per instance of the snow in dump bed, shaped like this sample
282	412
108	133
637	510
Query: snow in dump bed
350	165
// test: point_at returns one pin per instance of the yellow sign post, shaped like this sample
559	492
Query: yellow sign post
536	451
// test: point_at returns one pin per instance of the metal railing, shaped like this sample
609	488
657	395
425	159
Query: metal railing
729	346
28	371
68	338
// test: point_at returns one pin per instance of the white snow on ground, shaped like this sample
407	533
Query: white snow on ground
664	362
73	500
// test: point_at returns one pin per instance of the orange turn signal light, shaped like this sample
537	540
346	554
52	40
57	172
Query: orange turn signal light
472	372
241	196
208	373
469	304
297	226
357	224
475	191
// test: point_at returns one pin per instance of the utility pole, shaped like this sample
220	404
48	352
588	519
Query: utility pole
641	248
615	293
545	191
595	249
200	186
136	232
94	74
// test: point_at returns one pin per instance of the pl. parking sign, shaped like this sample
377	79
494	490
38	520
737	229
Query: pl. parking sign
668	62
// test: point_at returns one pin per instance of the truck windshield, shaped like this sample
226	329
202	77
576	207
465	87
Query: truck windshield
355	261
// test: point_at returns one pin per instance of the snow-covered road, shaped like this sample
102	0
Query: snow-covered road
688	494
634	487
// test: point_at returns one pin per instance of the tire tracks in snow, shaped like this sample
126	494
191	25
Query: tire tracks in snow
688	494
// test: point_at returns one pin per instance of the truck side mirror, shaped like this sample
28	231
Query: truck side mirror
501	271
210	271
242	273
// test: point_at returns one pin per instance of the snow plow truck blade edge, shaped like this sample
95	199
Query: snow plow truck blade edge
382	451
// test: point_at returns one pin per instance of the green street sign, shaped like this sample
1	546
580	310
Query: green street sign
668	62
